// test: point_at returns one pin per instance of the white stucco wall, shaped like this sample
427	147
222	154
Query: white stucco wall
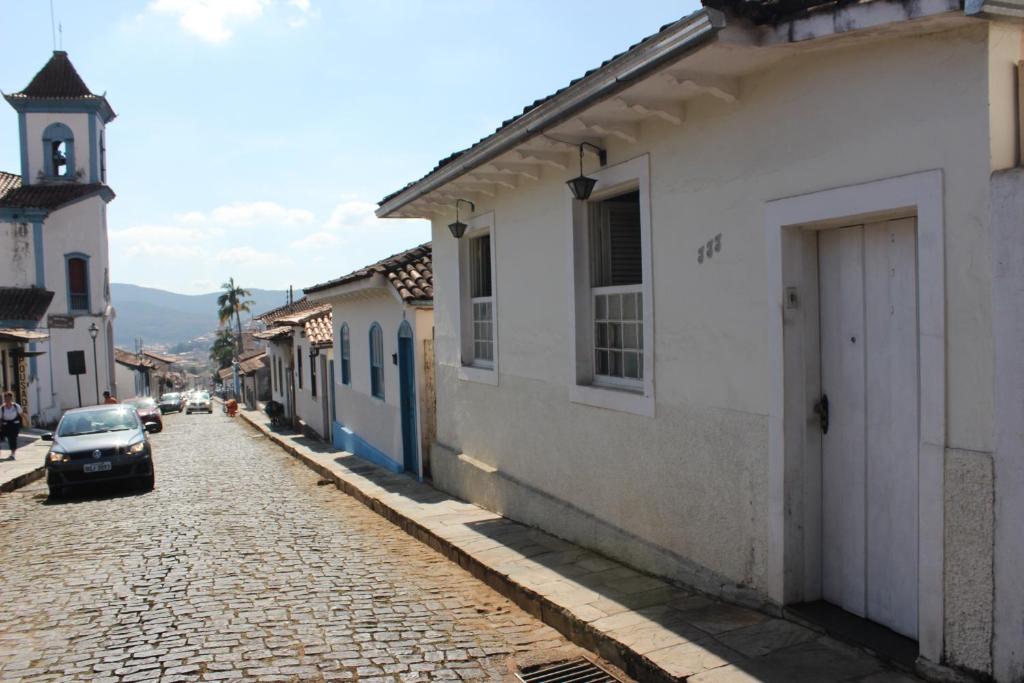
17	255
812	122
307	407
376	421
86	144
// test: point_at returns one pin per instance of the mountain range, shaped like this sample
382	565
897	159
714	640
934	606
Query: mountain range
162	317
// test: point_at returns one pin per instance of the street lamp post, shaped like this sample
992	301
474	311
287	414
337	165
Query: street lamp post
93	332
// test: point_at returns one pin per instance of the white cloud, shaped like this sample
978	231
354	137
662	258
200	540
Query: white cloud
248	215
248	256
353	216
160	234
305	13
176	252
317	240
210	20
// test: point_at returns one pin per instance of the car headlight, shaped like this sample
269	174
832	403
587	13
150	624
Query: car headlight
56	456
135	448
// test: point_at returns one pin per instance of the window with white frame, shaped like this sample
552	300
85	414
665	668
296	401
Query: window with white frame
616	282
376	361
481	300
612	323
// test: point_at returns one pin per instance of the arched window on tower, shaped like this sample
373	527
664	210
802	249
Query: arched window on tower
78	283
58	151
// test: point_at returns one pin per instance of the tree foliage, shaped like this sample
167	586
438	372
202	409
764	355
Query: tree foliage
223	350
230	304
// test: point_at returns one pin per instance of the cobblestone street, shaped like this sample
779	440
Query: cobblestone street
238	567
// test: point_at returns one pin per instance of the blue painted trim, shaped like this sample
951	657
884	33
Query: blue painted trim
345	439
94	155
88	281
46	106
23	133
37	249
345	346
59	132
24	324
376	326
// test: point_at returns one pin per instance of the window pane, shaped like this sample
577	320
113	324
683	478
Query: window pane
600	307
602	362
480	266
630	365
629	307
629	336
615	250
614	307
615	363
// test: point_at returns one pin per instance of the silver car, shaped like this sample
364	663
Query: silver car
199	402
99	444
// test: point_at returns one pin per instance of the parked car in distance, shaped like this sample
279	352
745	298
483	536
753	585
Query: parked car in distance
99	444
172	402
148	410
198	402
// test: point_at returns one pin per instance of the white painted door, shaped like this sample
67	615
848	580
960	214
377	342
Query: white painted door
869	373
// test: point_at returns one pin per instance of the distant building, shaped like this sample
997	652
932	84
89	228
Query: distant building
53	225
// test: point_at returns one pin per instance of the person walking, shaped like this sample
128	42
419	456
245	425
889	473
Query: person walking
11	421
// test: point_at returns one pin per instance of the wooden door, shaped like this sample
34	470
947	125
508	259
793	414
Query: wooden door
869	375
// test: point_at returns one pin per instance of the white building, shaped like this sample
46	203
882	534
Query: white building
785	207
377	405
53	221
136	374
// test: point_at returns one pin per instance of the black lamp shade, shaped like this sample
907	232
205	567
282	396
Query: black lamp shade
581	187
458	229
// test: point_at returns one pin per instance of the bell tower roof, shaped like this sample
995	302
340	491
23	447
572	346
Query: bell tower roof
59	81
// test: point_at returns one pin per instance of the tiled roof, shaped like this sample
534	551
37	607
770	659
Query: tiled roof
24	303
410	272
57	79
132	360
163	358
20	335
8	182
226	373
274	333
320	330
770	11
273	314
247	367
252	353
301	317
49	196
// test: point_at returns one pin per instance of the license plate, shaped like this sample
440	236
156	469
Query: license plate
97	467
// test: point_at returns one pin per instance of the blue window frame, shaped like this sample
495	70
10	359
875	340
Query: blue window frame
346	355
58	151
376	361
76	267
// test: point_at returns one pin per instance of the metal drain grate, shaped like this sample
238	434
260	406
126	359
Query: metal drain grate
575	671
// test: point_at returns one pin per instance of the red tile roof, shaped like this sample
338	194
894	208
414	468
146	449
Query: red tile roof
273	314
320	330
57	79
51	196
274	333
19	335
8	182
254	363
301	317
24	303
133	360
410	272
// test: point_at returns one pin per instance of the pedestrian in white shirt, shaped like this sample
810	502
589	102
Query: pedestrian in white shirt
10	422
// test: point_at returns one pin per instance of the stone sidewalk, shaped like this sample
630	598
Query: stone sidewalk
28	464
653	630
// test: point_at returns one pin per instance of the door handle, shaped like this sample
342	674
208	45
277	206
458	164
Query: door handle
821	410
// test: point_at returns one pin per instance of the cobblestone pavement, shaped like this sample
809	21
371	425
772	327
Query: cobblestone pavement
239	567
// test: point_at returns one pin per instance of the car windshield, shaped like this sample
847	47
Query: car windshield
141	402
114	419
169	397
200	396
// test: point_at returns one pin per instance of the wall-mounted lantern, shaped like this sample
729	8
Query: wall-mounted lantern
581	186
458	228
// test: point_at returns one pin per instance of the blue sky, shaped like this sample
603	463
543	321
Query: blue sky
254	137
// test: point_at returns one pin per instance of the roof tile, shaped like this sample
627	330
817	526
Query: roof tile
24	303
8	182
49	196
410	272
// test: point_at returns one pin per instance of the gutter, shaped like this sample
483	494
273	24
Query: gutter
621	73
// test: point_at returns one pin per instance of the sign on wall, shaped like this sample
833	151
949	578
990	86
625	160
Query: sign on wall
61	322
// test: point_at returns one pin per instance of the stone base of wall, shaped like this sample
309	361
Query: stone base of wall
488	487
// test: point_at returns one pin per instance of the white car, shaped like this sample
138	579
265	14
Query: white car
199	401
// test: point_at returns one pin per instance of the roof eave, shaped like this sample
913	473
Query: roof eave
681	37
97	103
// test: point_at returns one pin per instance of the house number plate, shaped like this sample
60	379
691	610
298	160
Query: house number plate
710	248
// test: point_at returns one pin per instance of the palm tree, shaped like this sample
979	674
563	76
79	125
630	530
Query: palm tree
231	304
223	348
